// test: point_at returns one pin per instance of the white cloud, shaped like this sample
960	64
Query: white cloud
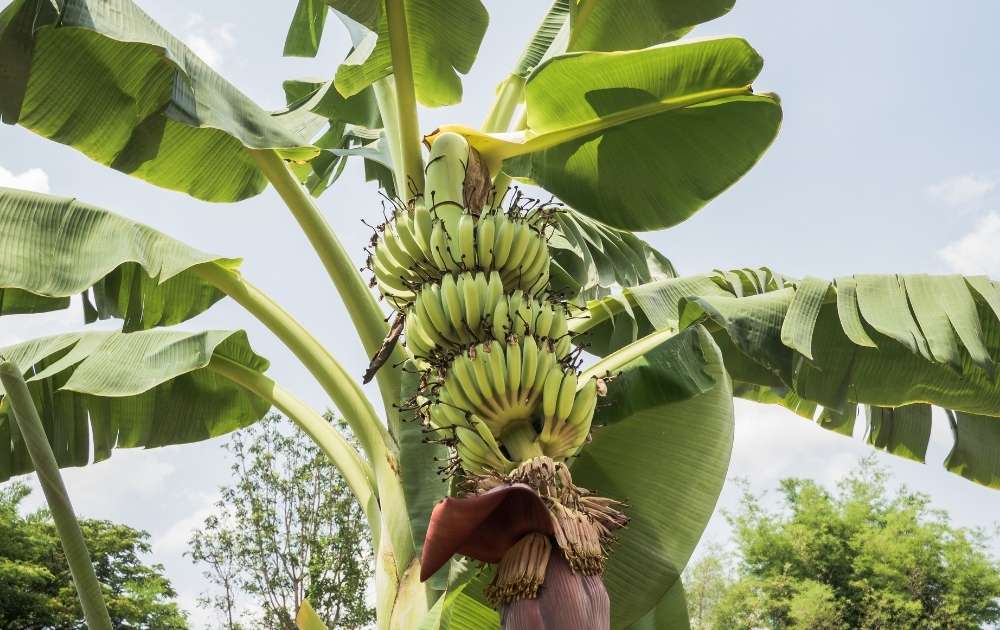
209	43
175	539
976	252
32	179
194	20
962	189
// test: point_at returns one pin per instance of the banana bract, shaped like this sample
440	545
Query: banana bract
500	382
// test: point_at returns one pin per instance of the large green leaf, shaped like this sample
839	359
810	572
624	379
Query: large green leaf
670	614
419	462
104	78
354	128
639	140
306	29
590	260
903	431
123	390
55	247
878	340
541	44
365	12
619	319
455	610
975	454
583	25
631	24
444	38
467	613
892	341
664	449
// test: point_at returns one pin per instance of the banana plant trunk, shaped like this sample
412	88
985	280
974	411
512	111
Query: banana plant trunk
500	384
25	414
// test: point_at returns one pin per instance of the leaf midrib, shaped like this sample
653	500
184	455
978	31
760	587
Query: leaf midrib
549	139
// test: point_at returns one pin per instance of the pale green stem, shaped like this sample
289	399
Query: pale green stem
385	96
88	589
345	392
367	316
623	356
522	441
356	472
502	181
406	98
598	312
509	96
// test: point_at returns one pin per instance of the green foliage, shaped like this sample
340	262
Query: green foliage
631	24
36	590
670	614
354	127
590	259
444	39
665	450
121	390
287	530
632	132
59	247
104	78
892	342
306	29
705	584
641	140
858	557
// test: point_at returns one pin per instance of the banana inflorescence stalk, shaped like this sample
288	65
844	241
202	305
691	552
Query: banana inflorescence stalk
499	376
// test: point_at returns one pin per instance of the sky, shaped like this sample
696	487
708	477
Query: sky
886	162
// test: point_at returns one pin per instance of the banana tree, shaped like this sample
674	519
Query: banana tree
575	392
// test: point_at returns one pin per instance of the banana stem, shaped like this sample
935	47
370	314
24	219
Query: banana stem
406	99
509	96
367	316
625	355
346	394
522	441
331	375
502	181
385	96
88	589
356	472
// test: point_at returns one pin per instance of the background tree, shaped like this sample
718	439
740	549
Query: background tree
705	583
856	558
36	590
286	530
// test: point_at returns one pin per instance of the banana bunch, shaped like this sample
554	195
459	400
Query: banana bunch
567	413
421	245
503	384
477	448
493	344
470	308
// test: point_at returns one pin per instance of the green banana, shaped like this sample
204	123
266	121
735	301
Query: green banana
493	346
485	233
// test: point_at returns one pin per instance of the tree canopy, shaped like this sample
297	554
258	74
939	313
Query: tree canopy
287	529
36	589
858	557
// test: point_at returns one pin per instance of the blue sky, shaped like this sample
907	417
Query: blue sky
886	162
